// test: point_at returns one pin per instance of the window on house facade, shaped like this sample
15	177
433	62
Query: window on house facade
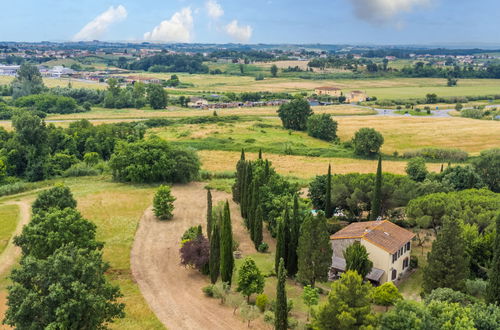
394	274
405	263
408	246
394	257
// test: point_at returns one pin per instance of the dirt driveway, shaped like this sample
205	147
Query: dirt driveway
172	291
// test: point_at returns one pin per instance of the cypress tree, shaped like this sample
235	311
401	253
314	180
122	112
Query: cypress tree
328	196
226	246
377	193
281	241
209	213
441	171
243	188
447	262
248	189
253	209
214	261
240	168
267	170
242	156
260	153
294	238
494	276
281	310
257	228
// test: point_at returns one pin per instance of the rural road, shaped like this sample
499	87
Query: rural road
172	291
9	256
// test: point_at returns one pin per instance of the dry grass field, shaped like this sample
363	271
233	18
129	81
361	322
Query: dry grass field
409	133
301	166
61	82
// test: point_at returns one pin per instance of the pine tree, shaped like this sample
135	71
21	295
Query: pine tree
281	241
294	238
314	251
257	229
447	262
328	196
214	261
377	193
494	276
209	214
226	246
281	309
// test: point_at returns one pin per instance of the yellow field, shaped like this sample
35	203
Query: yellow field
409	133
301	166
173	111
61	82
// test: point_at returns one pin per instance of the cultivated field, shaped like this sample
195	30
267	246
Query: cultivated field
301	166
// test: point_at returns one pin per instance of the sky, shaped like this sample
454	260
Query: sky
388	22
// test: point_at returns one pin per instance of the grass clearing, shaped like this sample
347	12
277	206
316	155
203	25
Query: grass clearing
116	209
61	82
303	167
409	133
9	216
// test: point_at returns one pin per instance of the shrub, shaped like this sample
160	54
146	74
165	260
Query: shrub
477	287
261	301
269	317
154	160
58	197
416	169
442	154
322	127
367	141
208	290
80	169
163	203
413	262
472	113
263	247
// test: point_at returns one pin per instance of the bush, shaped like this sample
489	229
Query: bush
322	127
416	169
477	287
367	141
261	302
58	197
263	247
80	169
472	113
163	203
208	290
154	160
442	154
413	262
269	317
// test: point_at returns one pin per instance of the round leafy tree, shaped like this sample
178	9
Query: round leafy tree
322	127
58	197
294	115
367	141
416	169
163	203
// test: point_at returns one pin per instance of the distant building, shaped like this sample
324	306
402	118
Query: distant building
388	247
355	97
197	102
9	70
145	80
330	91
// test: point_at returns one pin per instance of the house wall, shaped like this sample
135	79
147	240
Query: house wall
339	245
334	93
383	260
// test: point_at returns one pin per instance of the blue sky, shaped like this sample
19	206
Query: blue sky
254	21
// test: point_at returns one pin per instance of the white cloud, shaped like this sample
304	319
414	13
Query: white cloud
179	28
99	25
383	11
240	33
214	9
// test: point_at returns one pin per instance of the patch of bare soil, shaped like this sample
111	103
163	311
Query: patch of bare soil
172	291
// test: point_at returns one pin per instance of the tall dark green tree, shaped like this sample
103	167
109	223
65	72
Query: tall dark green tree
238	185
226	246
260	153
209	213
214	261
248	188
293	242
376	207
314	251
447	262
356	258
257	229
251	207
281	309
494	275
294	114
281	241
328	195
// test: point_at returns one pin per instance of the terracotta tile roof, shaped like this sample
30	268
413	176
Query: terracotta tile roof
327	88
384	234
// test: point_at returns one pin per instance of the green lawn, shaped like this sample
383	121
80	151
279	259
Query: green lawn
116	210
9	216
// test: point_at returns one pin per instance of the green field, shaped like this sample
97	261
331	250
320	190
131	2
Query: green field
9	215
116	209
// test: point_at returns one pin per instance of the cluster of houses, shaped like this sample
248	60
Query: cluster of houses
57	71
201	103
335	92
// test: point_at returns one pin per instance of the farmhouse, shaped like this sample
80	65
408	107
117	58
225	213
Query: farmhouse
356	96
197	102
388	246
330	91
